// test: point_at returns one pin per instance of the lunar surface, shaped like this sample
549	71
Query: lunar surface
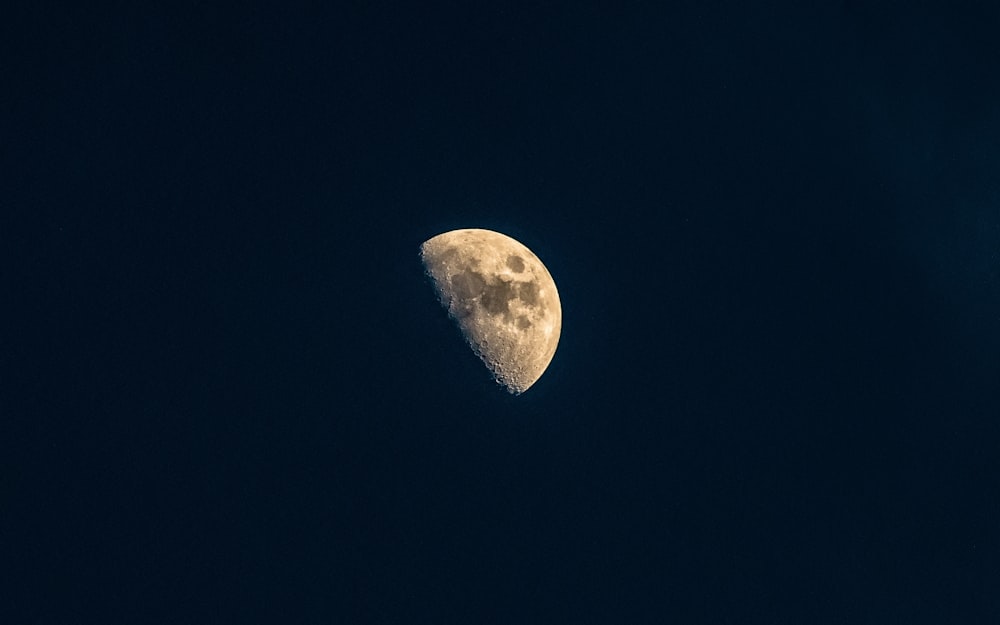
502	298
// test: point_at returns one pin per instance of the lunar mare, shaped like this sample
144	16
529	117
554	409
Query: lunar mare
502	298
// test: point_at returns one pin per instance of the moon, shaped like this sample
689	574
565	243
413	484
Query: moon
502	298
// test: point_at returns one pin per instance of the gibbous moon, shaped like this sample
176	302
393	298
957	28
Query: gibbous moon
502	298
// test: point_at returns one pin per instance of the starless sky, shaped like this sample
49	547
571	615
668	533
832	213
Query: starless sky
230	394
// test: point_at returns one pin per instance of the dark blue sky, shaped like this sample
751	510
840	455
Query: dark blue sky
232	397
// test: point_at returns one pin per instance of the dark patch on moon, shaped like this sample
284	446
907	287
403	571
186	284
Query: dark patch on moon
523	322
467	285
496	297
493	294
515	263
528	292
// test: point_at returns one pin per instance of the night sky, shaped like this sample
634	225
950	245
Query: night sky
231	396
